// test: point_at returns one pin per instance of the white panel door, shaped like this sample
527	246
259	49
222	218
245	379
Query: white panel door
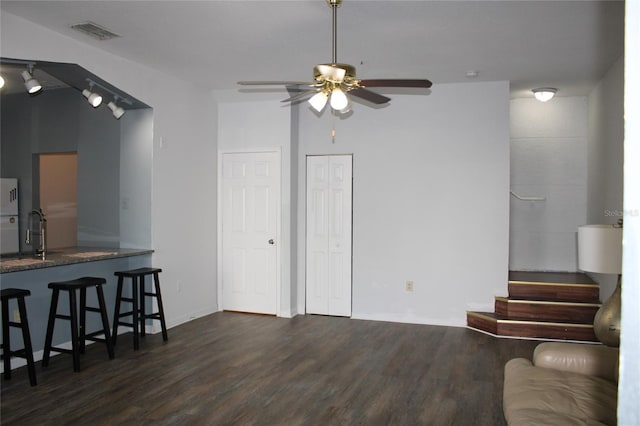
328	266
250	209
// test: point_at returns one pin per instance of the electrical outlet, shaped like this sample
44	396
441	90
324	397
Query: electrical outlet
16	315
408	286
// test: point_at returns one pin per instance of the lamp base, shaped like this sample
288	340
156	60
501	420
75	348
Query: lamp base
606	323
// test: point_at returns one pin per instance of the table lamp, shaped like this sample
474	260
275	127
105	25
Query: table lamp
600	251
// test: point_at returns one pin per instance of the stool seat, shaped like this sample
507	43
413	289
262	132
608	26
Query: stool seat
138	272
26	352
138	312
79	335
12	293
83	282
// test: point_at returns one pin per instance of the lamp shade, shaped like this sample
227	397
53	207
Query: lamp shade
600	249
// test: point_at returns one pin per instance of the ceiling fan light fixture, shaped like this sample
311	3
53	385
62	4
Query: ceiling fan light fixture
339	100
544	94
318	101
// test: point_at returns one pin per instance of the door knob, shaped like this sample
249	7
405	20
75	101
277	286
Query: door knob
271	241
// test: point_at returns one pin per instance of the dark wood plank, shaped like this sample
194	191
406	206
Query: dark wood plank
230	368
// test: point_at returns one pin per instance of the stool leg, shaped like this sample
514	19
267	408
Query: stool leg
26	336
116	315
143	309
6	339
52	319
73	310
163	324
135	318
83	320
105	321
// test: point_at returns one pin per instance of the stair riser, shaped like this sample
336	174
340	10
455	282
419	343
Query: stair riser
482	324
577	293
532	330
546	312
546	331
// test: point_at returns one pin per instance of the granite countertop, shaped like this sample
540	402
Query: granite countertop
65	256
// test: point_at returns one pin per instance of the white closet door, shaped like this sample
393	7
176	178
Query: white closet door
329	205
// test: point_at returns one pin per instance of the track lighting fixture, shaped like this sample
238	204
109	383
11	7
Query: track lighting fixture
115	109
93	98
33	86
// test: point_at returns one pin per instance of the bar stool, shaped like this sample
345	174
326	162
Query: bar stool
26	352
137	300
79	336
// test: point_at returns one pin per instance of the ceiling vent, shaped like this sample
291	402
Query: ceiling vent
94	30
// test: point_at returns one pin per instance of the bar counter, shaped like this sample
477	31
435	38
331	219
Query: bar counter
34	274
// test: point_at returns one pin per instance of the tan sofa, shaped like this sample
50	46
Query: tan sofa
565	384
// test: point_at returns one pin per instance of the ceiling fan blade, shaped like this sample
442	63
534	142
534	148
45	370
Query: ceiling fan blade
370	96
396	83
300	96
276	83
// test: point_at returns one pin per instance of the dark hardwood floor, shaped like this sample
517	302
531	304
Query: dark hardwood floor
231	368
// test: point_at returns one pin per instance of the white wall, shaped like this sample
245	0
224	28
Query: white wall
184	161
605	158
430	201
629	384
606	147
548	159
249	122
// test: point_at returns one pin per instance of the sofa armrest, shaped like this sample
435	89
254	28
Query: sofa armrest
593	360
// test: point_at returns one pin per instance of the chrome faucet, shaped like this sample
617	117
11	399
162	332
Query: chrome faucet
42	228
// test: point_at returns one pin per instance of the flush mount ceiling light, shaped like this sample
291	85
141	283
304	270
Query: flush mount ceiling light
93	98
544	94
115	109
33	86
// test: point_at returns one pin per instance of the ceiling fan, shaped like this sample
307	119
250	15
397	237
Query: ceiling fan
333	81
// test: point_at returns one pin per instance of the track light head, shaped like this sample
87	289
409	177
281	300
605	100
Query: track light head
33	86
115	109
93	98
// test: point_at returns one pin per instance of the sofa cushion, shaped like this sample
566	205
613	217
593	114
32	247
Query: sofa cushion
594	360
536	395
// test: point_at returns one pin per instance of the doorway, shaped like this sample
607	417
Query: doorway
250	203
328	238
58	197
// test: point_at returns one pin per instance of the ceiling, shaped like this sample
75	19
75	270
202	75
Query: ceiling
565	44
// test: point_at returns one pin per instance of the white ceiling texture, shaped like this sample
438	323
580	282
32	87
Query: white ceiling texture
565	44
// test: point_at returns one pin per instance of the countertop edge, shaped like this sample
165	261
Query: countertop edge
72	257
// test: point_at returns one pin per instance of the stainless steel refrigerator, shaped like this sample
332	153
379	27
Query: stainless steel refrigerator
9	226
